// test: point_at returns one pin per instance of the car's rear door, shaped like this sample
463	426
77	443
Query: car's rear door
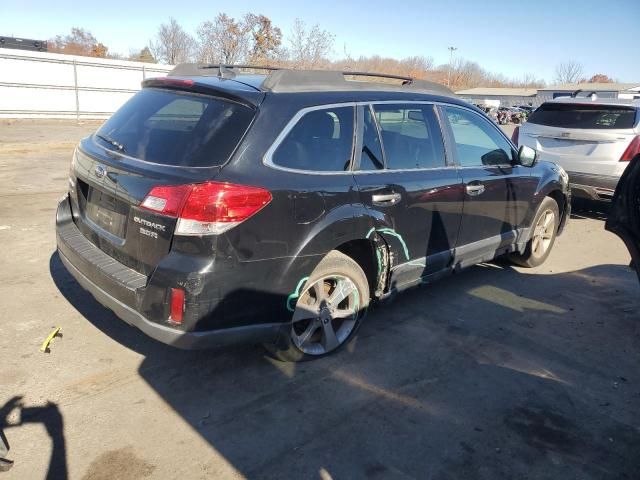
159	137
498	192
403	175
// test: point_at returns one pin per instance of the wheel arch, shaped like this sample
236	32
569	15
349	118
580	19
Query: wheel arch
564	205
372	254
352	232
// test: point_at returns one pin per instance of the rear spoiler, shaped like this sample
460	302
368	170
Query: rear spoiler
244	97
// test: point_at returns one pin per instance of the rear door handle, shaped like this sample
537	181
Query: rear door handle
386	198
475	189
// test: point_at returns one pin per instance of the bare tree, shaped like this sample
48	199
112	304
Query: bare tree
266	38
143	55
600	78
466	74
309	48
529	80
568	72
78	42
172	44
226	40
416	67
223	40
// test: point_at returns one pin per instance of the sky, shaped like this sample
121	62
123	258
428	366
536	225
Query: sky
510	37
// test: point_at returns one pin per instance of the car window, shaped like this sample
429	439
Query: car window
411	136
477	142
371	155
181	114
322	140
178	129
572	115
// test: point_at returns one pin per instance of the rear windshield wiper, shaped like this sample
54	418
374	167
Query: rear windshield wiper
110	140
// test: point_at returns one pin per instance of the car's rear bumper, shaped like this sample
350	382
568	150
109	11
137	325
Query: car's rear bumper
594	187
124	291
171	336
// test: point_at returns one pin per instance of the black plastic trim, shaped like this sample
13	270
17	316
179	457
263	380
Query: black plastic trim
176	338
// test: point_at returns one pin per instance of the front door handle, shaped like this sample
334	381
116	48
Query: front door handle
386	199
473	190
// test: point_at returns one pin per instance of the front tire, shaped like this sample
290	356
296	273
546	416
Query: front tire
545	229
328	311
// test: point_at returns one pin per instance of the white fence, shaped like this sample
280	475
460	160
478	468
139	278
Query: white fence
50	85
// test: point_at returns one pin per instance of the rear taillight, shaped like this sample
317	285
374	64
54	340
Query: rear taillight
169	82
206	208
632	150
515	135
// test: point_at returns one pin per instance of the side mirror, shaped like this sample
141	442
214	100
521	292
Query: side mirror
527	156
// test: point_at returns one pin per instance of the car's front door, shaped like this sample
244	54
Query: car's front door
404	177
498	191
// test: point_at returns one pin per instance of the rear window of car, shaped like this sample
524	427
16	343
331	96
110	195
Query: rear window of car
569	115
175	128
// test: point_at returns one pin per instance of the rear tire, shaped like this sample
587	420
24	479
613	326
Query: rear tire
545	228
328	312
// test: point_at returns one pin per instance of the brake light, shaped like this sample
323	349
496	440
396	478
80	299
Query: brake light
206	208
176	305
168	81
632	150
515	135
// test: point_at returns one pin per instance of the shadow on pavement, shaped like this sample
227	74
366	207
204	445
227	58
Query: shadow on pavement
584	208
492	373
50	417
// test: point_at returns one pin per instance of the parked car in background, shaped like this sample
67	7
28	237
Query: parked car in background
217	207
593	140
526	108
507	115
490	111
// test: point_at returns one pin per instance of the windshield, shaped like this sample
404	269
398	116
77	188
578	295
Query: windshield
572	115
176	128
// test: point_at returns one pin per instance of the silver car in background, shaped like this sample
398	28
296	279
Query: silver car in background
592	139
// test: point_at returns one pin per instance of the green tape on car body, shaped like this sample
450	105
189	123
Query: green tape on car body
295	294
391	231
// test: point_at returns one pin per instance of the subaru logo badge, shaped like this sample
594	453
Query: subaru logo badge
100	171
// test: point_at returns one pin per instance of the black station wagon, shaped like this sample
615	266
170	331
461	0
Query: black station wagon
218	207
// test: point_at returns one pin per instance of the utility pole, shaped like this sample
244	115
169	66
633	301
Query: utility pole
451	50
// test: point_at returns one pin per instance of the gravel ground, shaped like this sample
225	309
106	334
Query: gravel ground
497	372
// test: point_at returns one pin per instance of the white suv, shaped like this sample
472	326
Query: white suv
592	139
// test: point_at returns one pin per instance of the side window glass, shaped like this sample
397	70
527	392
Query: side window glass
477	141
371	156
322	140
411	136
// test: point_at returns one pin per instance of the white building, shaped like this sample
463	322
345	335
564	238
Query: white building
507	97
603	90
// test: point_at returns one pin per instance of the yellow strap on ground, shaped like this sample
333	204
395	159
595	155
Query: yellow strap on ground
47	341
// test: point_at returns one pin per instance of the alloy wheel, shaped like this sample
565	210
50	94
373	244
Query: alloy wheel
543	233
326	313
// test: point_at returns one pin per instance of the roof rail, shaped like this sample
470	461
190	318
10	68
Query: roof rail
291	80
